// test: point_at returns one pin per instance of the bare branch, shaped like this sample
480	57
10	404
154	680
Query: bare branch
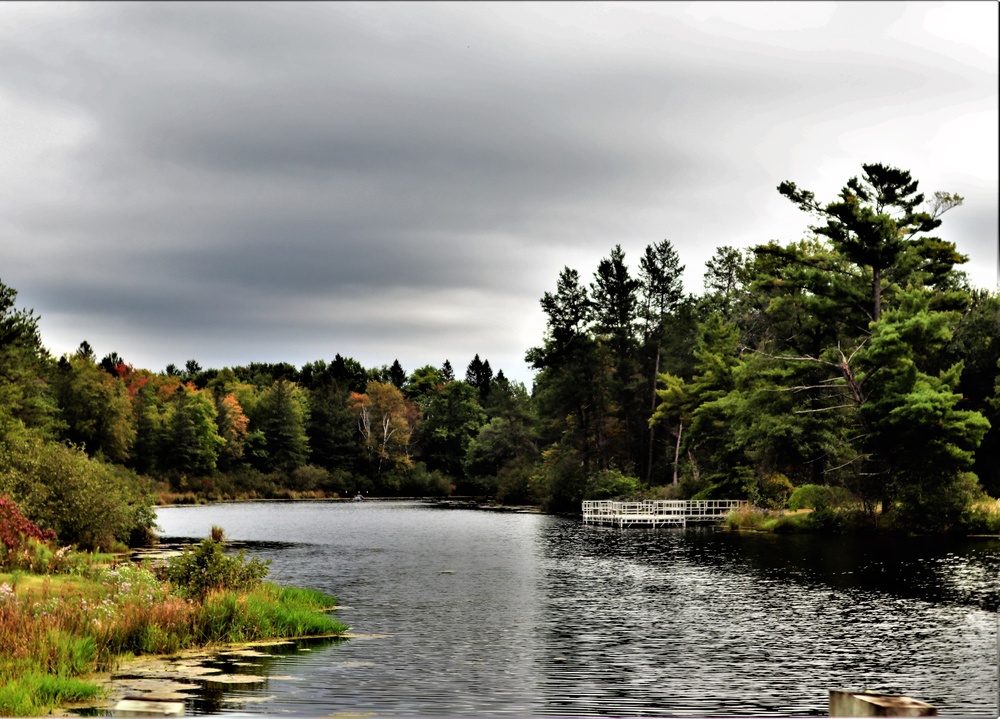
824	409
848	462
825	385
787	358
857	349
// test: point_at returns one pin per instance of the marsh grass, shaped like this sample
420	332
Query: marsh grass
984	516
751	519
980	517
36	693
267	611
768	520
56	630
847	519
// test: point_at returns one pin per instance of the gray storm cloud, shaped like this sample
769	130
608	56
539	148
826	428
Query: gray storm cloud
261	182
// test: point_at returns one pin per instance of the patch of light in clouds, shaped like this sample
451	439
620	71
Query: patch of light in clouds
769	17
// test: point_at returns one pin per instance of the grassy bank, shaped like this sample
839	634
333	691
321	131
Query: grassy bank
55	631
980	517
166	498
756	519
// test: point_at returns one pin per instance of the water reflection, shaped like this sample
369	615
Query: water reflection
532	615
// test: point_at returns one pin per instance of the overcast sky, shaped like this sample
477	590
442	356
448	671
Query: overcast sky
241	182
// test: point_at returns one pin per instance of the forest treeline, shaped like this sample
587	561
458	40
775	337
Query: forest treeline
858	358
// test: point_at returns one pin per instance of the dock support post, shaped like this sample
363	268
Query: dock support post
845	703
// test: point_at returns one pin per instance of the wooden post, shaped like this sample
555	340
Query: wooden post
845	703
149	707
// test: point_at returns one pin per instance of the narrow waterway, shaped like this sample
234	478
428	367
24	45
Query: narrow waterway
474	613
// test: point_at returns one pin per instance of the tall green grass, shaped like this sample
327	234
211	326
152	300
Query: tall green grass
268	611
767	520
35	693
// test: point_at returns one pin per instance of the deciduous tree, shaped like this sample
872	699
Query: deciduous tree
384	425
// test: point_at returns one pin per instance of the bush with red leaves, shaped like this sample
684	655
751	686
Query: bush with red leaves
16	529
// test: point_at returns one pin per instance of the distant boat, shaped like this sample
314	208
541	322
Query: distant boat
358	498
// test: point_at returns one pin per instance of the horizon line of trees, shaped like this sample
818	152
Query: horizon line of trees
857	357
333	427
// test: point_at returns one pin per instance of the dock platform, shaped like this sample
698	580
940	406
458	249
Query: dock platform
658	513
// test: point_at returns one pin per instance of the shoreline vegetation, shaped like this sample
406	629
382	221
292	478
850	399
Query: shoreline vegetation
67	617
818	515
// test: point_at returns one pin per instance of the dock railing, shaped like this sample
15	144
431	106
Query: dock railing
658	513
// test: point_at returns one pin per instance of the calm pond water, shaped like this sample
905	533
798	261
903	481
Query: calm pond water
533	615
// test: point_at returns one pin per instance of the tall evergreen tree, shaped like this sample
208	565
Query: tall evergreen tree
397	375
614	294
661	291
332	429
569	313
614	297
149	430
349	373
451	420
25	399
479	374
725	278
111	362
872	312
661	288
282	414
876	222
574	392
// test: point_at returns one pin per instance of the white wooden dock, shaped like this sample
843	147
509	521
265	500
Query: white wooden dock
659	513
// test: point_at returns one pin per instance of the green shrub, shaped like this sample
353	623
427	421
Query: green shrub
515	485
944	506
308	478
562	477
339	481
417	481
740	482
984	517
774	491
612	484
83	500
207	568
819	496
